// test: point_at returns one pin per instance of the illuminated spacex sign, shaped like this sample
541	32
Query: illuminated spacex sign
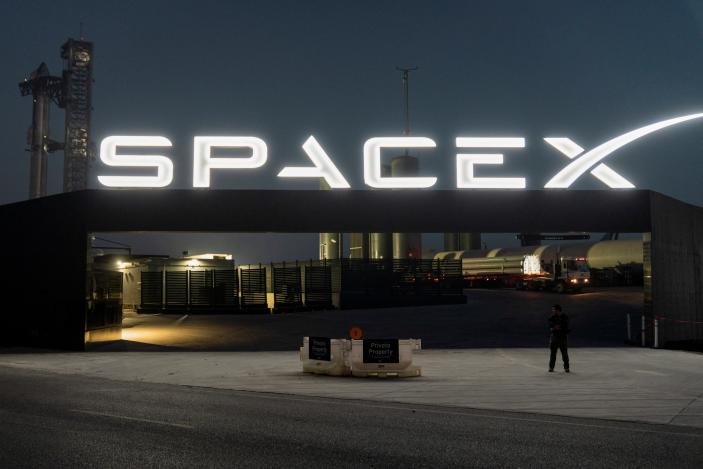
323	167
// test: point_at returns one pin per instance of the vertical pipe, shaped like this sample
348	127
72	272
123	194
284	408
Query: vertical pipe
656	333
643	330
629	330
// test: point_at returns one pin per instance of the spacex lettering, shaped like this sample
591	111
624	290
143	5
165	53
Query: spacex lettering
323	166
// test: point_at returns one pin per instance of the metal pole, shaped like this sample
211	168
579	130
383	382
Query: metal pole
406	96
629	330
406	101
643	330
656	333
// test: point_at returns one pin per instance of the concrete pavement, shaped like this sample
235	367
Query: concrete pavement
646	385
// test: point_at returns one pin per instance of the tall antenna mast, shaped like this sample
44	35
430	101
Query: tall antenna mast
406	98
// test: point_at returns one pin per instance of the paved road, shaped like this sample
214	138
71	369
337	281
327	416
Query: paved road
60	421
491	318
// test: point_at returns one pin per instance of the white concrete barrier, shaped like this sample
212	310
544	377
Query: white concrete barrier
325	356
384	357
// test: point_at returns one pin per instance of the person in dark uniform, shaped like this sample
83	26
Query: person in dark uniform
559	329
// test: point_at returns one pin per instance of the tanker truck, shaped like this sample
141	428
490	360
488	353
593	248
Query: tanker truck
608	262
527	271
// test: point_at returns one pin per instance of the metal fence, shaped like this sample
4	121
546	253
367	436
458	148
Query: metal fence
287	287
191	291
152	295
318	286
343	283
253	289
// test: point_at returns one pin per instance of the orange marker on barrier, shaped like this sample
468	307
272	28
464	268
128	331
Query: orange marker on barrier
356	333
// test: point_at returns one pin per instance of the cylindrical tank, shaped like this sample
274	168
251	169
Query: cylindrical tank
608	254
359	246
406	245
381	244
462	241
331	244
598	255
451	242
469	241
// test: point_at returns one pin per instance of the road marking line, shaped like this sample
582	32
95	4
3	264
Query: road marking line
647	372
105	414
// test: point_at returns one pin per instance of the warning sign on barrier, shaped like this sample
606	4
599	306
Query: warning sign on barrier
320	349
381	351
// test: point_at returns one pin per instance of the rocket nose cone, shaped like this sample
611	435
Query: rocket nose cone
41	71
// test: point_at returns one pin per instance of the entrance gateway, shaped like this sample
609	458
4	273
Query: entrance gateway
47	239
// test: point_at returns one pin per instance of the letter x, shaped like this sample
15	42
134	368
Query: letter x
592	158
602	172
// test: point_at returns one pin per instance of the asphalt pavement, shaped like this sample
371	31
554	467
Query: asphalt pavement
490	318
62	421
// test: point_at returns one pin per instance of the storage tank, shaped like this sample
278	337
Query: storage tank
330	244
406	245
462	241
381	244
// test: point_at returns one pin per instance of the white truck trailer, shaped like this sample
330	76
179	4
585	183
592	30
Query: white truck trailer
527	272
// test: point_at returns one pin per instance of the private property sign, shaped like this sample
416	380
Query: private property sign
205	160
320	349
381	351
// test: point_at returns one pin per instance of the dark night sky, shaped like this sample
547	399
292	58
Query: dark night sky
284	70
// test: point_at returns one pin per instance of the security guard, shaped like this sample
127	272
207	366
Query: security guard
559	329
